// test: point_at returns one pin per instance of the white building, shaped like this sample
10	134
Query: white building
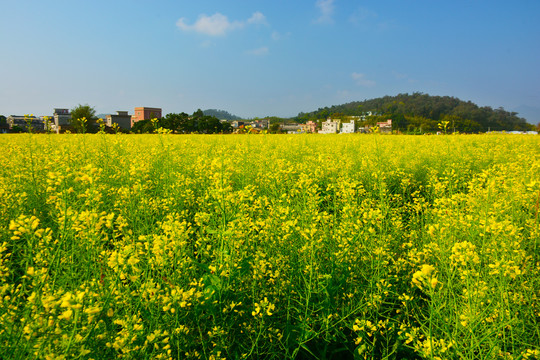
348	128
329	127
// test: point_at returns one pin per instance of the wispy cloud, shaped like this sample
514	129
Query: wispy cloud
259	51
361	80
326	9
214	25
218	24
257	18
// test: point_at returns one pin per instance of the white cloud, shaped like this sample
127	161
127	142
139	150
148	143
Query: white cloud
257	18
214	25
361	80
326	8
218	24
259	51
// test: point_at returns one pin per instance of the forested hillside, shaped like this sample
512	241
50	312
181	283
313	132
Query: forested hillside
221	114
423	112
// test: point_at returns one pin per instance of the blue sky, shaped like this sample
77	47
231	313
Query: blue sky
258	58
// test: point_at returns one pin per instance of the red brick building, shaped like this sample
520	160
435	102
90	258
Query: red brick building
145	113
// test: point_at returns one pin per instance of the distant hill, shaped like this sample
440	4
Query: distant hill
423	112
101	116
221	114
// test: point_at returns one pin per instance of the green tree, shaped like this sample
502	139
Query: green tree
398	121
274	128
143	127
184	124
226	127
178	123
83	118
206	124
197	114
3	120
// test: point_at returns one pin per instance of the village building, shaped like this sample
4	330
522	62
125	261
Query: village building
309	127
145	113
330	127
291	128
121	118
61	117
385	126
48	123
348	128
236	124
364	129
260	124
24	122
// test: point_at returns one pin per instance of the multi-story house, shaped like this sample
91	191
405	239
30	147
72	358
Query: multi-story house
61	117
330	127
24	122
145	113
309	127
121	118
348	128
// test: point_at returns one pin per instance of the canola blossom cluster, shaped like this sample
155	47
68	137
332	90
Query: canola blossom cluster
271	246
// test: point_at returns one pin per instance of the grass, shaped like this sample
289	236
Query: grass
269	246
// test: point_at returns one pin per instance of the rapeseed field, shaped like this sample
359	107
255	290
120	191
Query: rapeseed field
269	246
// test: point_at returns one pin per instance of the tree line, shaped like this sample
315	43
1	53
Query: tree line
183	123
